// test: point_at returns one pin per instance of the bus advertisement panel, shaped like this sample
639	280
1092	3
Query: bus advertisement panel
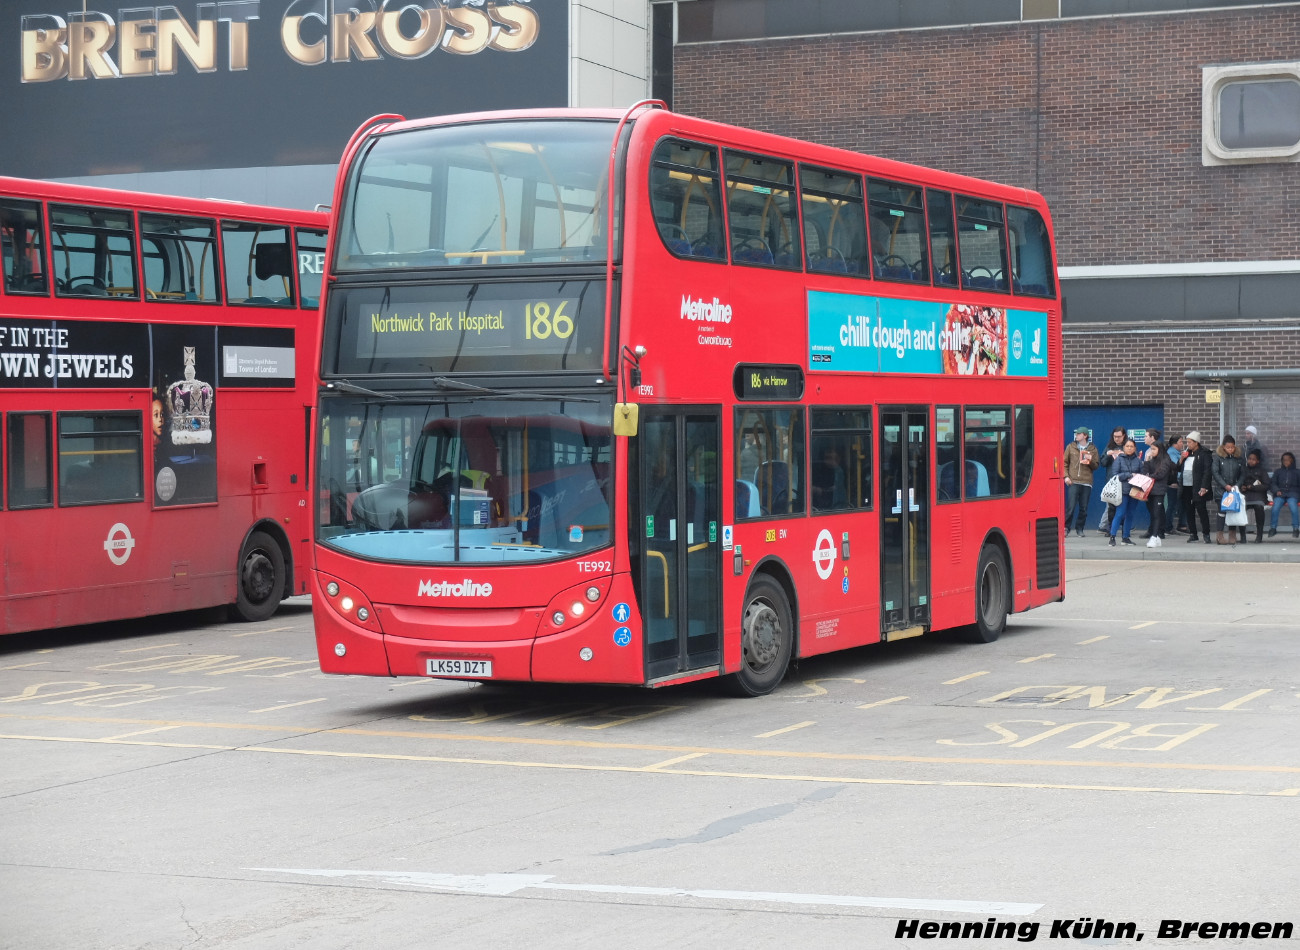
774	400
154	417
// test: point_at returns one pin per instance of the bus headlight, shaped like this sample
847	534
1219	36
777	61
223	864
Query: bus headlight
346	604
593	594
578	608
557	618
332	589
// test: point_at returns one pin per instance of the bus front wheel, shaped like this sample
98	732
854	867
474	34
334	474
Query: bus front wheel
992	597
261	578
766	640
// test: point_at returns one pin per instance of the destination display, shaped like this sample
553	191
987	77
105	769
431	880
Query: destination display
515	327
763	381
859	334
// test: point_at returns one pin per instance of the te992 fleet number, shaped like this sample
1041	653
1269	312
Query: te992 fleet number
595	567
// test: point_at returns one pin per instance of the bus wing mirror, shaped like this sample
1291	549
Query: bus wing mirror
625	418
272	260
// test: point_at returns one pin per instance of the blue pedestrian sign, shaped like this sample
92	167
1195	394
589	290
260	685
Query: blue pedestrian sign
622	612
622	637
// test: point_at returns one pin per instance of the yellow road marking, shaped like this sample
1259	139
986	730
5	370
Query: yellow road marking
1031	659
660	770
643	746
156	646
777	732
681	758
23	666
882	702
962	679
1084	643
258	633
1149	623
305	702
140	732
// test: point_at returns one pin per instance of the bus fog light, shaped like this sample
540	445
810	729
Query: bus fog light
346	604
557	618
340	650
363	614
578	608
593	594
585	653
332	589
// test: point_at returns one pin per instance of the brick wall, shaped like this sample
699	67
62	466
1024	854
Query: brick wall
1108	368
1103	116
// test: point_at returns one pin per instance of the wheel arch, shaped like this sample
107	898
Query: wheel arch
996	538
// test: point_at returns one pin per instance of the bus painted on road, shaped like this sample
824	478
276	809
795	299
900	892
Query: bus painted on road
155	403
640	398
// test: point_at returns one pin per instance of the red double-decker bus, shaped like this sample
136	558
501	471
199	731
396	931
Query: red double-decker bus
772	400
154	412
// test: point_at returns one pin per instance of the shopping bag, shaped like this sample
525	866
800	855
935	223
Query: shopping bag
1231	501
1141	482
1141	494
1235	519
1113	492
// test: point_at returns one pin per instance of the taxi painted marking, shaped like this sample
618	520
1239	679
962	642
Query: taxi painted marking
962	679
501	885
777	732
1041	656
883	702
305	702
1084	643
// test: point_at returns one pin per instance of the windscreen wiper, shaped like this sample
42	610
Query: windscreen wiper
343	386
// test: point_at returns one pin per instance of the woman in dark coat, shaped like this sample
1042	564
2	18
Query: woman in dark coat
1286	494
1228	466
1158	465
1255	487
1194	479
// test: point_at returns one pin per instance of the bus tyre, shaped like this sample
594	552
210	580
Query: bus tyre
992	597
261	578
766	640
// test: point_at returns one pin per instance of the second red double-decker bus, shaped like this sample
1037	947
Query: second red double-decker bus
639	398
155	400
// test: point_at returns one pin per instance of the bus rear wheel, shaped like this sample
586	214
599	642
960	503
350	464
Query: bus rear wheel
261	578
766	640
992	597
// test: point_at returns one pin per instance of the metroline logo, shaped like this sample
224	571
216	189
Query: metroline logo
705	311
466	588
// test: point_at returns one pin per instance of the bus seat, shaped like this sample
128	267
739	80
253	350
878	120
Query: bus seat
977	480
747	499
773	487
679	246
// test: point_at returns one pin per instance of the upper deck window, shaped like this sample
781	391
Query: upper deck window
180	258
761	213
898	236
22	247
485	193
1031	253
259	263
687	199
834	221
93	251
982	244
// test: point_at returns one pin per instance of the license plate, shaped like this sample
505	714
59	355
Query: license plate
460	667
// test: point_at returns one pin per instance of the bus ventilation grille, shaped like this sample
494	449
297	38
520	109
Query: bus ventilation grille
1047	534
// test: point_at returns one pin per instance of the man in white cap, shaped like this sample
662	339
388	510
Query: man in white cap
1251	444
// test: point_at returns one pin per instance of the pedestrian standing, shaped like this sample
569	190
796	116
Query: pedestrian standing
1156	463
1195	481
1113	450
1286	494
1081	460
1227	469
1125	465
1254	488
1175	517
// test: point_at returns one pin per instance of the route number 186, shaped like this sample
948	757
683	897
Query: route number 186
540	323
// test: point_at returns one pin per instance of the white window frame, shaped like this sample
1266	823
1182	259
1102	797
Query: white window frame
1213	79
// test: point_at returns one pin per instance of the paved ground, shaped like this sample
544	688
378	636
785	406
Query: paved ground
1095	546
1129	754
